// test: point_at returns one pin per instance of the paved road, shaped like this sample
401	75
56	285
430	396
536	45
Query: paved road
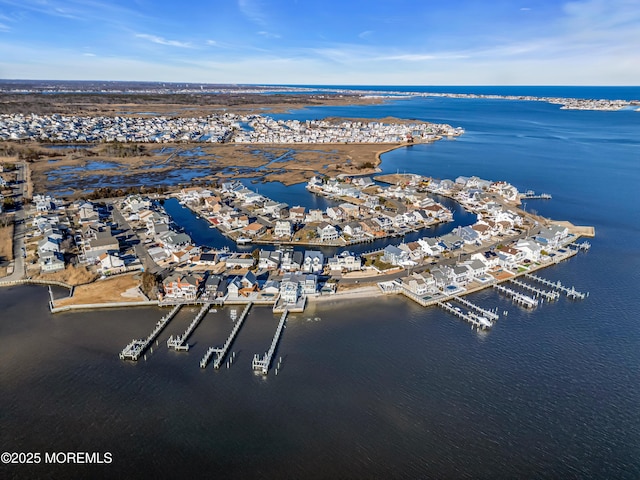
19	227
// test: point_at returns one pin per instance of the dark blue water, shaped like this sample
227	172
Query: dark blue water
377	388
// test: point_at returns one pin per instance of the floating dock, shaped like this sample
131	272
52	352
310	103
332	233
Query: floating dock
480	322
136	348
546	294
517	297
570	292
178	342
262	364
221	352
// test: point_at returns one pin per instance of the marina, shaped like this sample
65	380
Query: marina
221	352
178	342
517	297
262	364
490	314
136	348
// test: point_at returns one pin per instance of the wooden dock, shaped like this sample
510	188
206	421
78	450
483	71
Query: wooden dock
178	343
546	294
493	316
517	297
480	322
136	348
263	364
570	292
220	352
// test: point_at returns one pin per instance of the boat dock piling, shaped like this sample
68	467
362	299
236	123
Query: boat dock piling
264	362
221	352
570	292
491	315
531	195
136	348
475	320
584	246
546	294
517	297
178	342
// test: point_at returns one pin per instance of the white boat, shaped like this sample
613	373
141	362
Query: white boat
243	240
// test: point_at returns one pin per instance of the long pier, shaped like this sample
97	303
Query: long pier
546	294
570	292
264	362
517	297
221	352
493	316
178	343
136	348
474	319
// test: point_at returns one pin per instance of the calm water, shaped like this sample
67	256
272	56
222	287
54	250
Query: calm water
374	388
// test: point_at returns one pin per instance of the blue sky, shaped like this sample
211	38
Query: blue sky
372	42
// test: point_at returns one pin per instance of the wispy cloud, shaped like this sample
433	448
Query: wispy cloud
365	34
253	10
88	54
525	9
163	41
4	28
266	34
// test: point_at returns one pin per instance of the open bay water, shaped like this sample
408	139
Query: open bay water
372	388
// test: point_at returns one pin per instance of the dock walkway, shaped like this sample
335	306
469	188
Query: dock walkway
221	352
178	342
262	364
136	348
570	292
546	294
517	297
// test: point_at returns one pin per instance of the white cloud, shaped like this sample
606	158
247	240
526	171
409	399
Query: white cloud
88	54
266	34
253	10
365	34
163	41
4	28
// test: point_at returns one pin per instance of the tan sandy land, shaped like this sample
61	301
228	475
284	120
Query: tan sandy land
71	275
112	289
6	243
583	231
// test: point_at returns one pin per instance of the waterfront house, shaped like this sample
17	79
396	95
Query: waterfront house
393	255
254	229
530	249
430	246
269	260
110	264
51	261
239	260
181	287
345	261
353	229
327	232
214	288
291	260
313	261
509	257
289	289
297	214
282	229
